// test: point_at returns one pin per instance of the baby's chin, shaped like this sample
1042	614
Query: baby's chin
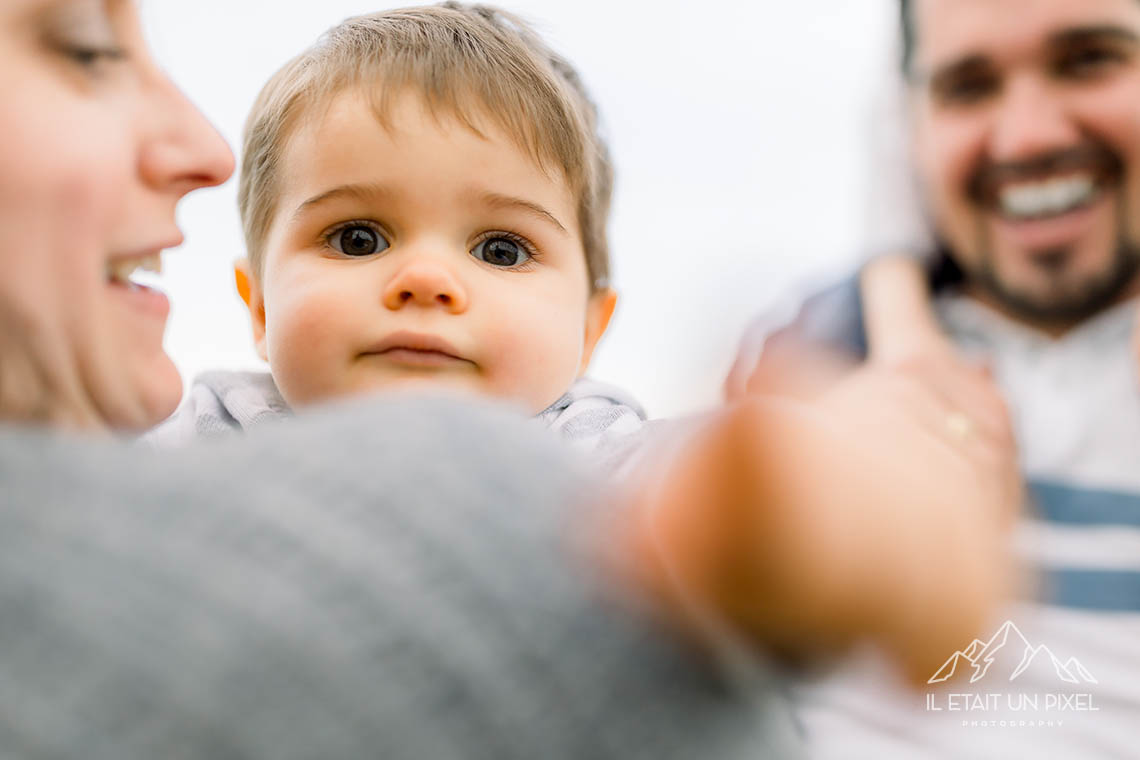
425	384
431	384
531	397
419	383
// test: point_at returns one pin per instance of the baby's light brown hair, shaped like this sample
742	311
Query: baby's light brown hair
466	61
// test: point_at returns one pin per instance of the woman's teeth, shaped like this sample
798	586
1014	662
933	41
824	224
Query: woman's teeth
1044	199
122	270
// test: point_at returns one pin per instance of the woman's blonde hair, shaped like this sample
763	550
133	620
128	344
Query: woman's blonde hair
466	61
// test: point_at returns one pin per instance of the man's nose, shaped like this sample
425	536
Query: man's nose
1032	120
427	282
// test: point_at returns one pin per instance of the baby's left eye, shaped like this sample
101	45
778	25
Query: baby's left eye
501	252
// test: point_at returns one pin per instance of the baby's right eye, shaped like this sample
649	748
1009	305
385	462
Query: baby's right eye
357	240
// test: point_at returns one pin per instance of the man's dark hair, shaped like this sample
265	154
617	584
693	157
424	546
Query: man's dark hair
906	23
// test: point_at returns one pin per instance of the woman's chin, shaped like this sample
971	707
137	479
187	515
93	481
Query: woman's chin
157	391
141	387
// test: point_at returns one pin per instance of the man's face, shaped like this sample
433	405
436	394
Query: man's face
1027	139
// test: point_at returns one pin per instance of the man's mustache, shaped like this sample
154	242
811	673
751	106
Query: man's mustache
987	181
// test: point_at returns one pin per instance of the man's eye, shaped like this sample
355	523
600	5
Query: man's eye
967	89
501	252
357	240
1080	63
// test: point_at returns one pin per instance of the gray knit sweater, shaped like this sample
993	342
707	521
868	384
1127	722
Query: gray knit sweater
408	581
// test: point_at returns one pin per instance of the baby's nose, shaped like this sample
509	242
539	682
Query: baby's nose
427	284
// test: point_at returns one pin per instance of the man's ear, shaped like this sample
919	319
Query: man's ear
598	313
250	291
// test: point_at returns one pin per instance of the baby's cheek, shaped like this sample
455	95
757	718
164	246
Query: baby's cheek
305	339
534	360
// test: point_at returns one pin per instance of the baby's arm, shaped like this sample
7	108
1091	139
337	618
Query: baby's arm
862	516
897	311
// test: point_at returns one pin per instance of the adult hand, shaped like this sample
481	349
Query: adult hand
794	372
939	435
943	401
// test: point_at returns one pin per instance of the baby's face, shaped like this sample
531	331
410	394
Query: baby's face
422	255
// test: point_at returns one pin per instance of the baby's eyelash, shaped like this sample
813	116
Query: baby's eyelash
530	248
327	236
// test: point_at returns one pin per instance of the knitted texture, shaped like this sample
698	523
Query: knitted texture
381	580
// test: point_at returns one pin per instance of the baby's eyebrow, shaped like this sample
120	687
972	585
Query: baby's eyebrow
360	192
497	200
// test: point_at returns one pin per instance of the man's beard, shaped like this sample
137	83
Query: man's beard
1064	306
1067	303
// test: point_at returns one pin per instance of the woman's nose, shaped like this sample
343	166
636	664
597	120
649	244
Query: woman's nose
181	150
426	283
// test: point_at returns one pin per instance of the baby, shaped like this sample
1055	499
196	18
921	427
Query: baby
424	196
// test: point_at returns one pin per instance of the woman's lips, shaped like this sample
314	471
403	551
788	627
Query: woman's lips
148	301
122	267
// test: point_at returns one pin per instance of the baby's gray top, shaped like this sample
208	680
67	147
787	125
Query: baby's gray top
591	416
378	580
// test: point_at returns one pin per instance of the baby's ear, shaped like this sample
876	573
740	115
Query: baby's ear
598	313
250	291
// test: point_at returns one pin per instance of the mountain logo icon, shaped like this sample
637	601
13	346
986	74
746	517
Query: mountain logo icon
1008	651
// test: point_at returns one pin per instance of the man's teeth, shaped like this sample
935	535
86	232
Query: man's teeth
1057	196
123	269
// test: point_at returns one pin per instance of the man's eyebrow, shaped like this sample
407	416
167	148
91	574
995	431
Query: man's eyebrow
1099	32
1063	38
937	75
358	192
497	200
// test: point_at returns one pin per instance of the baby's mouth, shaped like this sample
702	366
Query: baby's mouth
414	357
418	350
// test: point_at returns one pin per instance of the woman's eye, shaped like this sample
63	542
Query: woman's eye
500	252
357	240
89	57
86	32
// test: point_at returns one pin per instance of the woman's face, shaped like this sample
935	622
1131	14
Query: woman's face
97	147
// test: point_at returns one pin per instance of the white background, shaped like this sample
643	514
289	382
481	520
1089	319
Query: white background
739	131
